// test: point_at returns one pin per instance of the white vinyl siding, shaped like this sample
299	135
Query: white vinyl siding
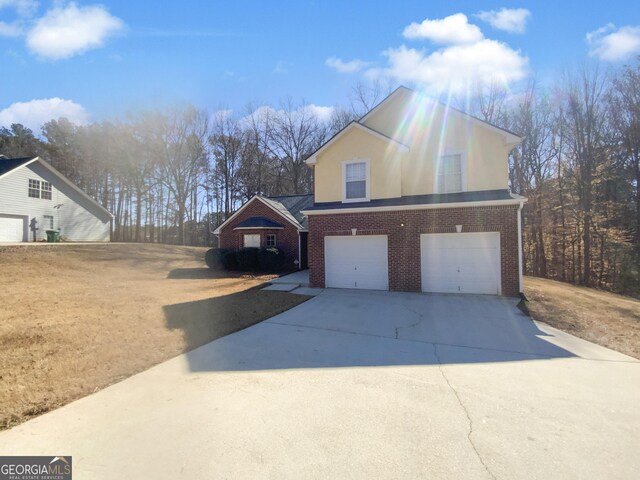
77	218
449	174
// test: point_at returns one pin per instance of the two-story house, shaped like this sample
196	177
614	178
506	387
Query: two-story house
35	197
414	197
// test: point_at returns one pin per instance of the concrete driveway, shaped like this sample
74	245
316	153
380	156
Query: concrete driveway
363	385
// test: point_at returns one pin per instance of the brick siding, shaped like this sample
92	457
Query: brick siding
286	239
404	228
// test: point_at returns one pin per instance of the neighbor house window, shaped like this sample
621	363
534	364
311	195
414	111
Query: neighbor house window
270	241
252	240
355	181
39	189
48	222
45	190
34	188
449	173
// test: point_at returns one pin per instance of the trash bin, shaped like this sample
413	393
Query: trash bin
53	236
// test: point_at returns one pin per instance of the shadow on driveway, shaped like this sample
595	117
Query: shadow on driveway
354	328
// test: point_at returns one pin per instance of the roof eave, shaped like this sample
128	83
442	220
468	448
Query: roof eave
418	206
313	159
34	159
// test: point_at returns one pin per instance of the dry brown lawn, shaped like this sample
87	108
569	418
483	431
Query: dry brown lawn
76	318
604	318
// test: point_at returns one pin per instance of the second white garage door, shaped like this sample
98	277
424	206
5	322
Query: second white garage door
12	228
356	262
461	262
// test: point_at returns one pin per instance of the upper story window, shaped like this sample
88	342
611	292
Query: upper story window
449	173
45	190
356	181
39	189
34	188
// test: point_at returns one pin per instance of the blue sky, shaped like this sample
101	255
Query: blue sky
92	61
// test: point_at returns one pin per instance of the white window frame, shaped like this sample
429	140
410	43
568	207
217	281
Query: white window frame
35	188
367	196
51	220
463	170
39	188
48	190
266	240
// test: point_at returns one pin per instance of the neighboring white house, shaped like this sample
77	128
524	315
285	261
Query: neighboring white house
35	197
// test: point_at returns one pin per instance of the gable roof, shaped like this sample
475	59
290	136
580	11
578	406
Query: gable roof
258	222
9	164
14	164
287	206
295	204
354	124
510	137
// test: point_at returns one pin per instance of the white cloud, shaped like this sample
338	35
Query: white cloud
24	8
35	113
455	68
323	114
264	112
451	30
513	20
65	31
351	66
613	45
465	60
10	29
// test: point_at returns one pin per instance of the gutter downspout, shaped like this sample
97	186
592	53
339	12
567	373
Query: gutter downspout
299	251
520	247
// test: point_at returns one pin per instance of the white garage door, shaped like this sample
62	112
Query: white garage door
11	228
461	262
356	262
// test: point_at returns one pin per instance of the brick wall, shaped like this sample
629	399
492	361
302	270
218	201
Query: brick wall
404	228
286	239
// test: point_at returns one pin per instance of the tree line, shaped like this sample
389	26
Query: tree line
172	176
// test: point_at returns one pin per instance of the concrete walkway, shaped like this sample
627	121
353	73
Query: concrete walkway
297	282
301	277
363	385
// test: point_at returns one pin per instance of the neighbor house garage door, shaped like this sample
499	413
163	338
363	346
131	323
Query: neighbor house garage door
356	262
461	262
12	228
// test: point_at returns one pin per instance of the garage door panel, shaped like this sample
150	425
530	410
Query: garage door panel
461	263
12	228
357	262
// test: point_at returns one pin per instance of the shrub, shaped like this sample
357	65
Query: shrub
270	259
214	258
230	260
248	259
